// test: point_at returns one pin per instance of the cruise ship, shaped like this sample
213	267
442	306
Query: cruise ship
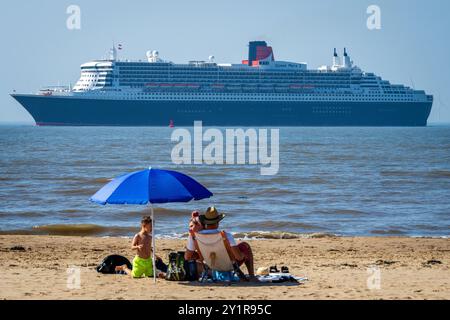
259	91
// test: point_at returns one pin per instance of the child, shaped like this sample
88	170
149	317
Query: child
142	244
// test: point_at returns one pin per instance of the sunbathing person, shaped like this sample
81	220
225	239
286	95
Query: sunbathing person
142	262
208	223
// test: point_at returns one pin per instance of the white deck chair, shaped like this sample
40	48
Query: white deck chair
215	252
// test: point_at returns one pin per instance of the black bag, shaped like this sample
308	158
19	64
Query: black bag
160	265
192	271
109	264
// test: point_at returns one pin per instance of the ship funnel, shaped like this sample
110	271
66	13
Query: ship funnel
259	50
347	61
336	60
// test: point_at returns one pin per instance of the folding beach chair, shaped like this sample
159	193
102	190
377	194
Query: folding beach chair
215	252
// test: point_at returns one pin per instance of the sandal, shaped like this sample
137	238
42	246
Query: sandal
274	269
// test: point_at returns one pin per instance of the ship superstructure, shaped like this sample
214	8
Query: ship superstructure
258	91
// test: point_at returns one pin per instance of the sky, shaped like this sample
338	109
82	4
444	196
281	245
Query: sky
411	48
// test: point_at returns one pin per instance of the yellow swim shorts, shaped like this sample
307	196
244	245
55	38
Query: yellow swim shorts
142	267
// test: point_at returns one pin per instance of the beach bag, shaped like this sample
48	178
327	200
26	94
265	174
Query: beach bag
160	265
192	271
176	269
109	264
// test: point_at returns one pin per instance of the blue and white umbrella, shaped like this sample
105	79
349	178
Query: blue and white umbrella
151	186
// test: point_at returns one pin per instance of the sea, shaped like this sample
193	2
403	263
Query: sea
347	181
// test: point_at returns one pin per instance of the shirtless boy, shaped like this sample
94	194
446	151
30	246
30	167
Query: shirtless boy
142	244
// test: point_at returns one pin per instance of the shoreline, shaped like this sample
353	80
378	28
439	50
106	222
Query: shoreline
35	267
239	235
94	230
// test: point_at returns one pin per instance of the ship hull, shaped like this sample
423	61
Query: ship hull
72	111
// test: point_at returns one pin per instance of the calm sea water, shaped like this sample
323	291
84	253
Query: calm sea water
345	181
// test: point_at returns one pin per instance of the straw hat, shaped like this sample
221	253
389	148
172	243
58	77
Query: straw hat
262	271
211	216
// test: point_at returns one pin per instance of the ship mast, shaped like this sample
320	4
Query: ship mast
113	53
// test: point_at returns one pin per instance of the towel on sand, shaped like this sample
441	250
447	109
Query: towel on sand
280	277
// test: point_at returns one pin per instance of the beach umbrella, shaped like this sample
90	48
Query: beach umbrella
151	186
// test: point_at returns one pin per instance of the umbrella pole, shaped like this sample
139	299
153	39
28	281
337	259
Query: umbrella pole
153	245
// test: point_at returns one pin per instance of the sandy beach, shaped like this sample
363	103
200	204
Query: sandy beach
35	267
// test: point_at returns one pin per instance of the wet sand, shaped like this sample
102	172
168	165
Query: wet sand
35	267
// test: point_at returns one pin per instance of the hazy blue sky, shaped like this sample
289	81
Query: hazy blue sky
38	50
